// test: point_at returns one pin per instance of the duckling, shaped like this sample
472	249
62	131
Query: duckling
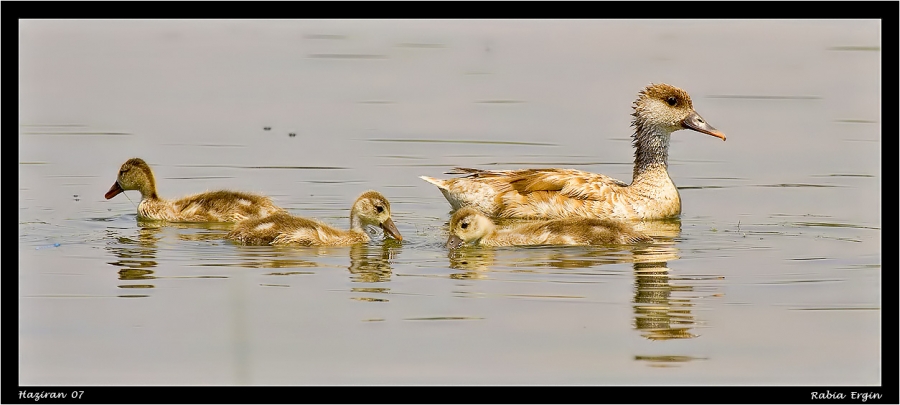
468	225
212	206
370	209
659	110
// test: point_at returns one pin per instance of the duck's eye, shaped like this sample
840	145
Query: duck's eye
379	208
464	225
672	100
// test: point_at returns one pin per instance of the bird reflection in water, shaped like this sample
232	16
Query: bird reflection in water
191	231
372	264
268	257
135	258
659	313
474	261
662	310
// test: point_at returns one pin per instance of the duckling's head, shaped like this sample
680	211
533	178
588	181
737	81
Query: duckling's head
468	225
134	174
373	209
665	108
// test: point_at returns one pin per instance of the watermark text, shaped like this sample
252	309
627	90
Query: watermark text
859	396
39	395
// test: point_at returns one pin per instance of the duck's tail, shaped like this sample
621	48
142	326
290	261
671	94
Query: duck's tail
441	184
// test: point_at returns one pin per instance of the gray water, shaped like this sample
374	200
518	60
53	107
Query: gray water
772	275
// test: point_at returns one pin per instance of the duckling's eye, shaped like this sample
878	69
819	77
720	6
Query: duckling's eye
464	225
672	100
379	208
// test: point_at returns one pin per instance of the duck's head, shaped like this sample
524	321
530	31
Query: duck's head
134	174
666	108
373	209
468	225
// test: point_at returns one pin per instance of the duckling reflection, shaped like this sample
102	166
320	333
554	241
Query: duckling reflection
663	231
475	262
135	256
483	259
371	264
276	257
195	231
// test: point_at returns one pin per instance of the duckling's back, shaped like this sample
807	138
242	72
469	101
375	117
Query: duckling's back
265	231
224	206
588	231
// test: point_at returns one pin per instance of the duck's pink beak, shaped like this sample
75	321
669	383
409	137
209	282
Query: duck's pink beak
113	191
697	123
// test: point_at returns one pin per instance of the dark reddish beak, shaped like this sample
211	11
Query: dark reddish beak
391	229
697	123
114	190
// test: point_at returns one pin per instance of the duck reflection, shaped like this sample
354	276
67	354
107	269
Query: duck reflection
150	232
136	254
268	257
202	231
474	261
662	309
477	261
369	263
659	312
372	264
136	257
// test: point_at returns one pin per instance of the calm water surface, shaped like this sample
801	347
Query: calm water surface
772	276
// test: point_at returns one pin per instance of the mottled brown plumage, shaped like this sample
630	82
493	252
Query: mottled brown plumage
659	110
212	206
470	226
371	209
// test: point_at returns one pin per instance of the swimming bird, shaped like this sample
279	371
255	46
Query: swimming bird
470	226
211	206
371	209
659	110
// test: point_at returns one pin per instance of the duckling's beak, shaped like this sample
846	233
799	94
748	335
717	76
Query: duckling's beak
697	123
114	190
454	242
390	229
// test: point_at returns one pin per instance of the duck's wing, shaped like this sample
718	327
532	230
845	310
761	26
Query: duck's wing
570	183
534	193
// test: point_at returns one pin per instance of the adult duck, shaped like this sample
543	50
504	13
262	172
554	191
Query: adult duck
211	206
659	110
470	226
371	209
